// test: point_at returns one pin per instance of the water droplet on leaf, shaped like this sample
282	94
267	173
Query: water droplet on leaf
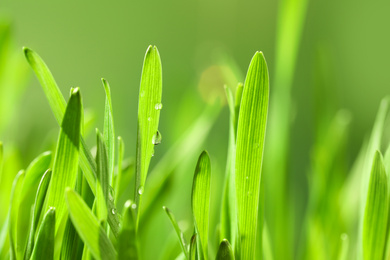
141	190
158	106
157	137
113	211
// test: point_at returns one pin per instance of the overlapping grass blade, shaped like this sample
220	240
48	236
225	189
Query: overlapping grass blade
225	251
103	180
200	201
37	209
127	239
149	107
179	233
13	211
193	248
376	212
66	158
57	104
249	152
44	247
88	227
109	131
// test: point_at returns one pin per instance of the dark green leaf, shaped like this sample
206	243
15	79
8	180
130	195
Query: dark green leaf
225	251
127	239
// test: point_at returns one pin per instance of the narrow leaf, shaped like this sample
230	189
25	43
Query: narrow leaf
376	212
109	132
36	213
1	159
179	233
344	247
200	201
88	227
66	158
192	252
44	248
249	152
149	107
127	240
225	251
102	188
121	152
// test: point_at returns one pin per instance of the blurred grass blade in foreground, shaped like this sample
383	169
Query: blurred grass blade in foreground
249	153
88	227
200	201
149	106
376	212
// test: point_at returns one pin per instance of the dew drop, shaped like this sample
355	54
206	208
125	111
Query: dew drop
149	118
142	94
134	206
141	190
113	211
158	106
111	194
247	177
157	137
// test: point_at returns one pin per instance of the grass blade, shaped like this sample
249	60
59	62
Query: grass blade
179	233
13	211
200	201
109	132
249	152
376	212
1	159
149	107
121	152
66	158
102	188
37	209
44	248
57	105
225	251
127	240
192	252
344	247
88	227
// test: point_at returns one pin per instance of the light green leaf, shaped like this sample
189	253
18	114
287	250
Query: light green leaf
249	152
109	132
266	245
102	188
200	201
225	251
66	158
127	240
57	104
88	227
44	247
179	233
149	107
13	211
376	212
344	247
37	209
121	152
1	159
192	251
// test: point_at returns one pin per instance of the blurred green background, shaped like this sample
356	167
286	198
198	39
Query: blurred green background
342	63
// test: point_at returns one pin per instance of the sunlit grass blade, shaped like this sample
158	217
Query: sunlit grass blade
36	213
44	247
249	152
225	251
344	247
109	131
4	239
103	180
88	227
127	239
1	159
193	248
57	104
376	212
119	172
200	201
13	211
66	158
179	233
266	245
149	106
186	147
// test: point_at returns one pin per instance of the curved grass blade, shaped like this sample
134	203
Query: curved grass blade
249	152
66	158
179	233
149	107
36	213
200	201
57	104
13	211
376	212
192	251
225	251
44	247
102	188
127	240
88	227
109	131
